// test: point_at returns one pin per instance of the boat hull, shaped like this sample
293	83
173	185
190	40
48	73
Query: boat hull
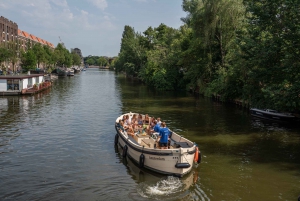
61	72
265	114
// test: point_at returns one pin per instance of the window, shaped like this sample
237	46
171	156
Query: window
29	83
9	85
16	84
37	80
13	84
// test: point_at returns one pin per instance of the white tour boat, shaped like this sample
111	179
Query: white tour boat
143	149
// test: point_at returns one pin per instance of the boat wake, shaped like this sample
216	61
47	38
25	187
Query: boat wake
163	188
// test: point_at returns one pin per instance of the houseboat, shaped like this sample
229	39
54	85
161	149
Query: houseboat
21	84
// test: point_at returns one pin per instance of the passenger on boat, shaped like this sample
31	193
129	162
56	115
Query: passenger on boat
126	128
140	121
158	120
163	137
125	125
128	120
146	122
130	131
121	123
134	123
155	128
151	125
146	119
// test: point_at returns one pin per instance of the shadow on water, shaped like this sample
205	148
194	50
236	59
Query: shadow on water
155	186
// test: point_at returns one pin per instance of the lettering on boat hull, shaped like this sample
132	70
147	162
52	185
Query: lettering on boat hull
156	158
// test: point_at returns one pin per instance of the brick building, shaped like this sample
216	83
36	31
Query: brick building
9	30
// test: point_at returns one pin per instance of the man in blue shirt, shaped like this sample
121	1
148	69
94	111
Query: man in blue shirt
163	136
156	127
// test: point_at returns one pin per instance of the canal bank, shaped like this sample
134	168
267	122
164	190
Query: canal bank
59	145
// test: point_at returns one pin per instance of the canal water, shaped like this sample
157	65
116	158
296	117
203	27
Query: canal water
59	145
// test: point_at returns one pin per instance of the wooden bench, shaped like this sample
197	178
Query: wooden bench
148	142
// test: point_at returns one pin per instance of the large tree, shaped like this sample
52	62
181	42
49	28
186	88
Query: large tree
271	51
214	25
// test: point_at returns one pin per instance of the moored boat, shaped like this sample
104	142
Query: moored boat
273	115
70	72
61	71
143	149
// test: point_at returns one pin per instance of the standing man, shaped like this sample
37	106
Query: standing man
163	136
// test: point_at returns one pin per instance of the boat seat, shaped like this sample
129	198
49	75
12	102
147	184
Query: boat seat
181	144
133	140
148	142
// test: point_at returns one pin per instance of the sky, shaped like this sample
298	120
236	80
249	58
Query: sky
94	26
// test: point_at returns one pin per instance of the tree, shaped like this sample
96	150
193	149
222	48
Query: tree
102	61
90	61
39	52
214	25
4	55
76	59
28	60
270	49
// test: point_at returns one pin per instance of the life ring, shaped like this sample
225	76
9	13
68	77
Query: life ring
142	161
124	151
196	156
116	139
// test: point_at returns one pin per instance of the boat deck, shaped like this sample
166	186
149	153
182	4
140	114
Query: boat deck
148	142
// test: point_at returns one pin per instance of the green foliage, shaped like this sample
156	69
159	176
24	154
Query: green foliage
40	53
28	60
90	61
270	50
102	61
76	59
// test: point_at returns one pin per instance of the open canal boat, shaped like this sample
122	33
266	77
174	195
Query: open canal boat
273	115
143	149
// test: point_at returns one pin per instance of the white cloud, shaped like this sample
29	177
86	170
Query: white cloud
67	14
4	6
62	3
102	4
83	12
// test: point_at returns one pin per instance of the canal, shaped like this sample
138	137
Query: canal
59	145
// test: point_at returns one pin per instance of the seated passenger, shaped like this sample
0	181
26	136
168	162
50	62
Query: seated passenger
134	123
127	120
150	125
158	120
121	123
146	119
140	121
163	137
130	131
